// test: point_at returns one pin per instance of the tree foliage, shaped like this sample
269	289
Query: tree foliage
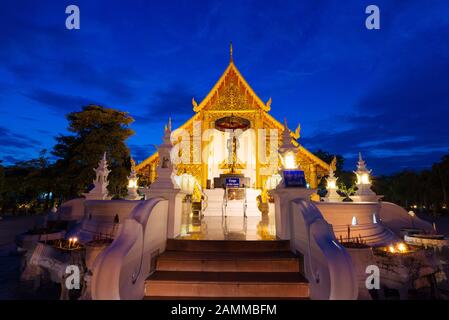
426	190
27	185
95	130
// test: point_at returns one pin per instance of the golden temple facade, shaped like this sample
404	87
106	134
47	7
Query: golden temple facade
232	96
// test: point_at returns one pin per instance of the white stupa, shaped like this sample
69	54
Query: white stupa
132	183
101	182
165	177
364	192
332	195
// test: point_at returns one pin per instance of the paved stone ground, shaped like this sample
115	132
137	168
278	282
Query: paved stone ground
10	262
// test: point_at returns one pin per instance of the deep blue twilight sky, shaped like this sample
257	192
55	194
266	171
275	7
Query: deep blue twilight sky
383	92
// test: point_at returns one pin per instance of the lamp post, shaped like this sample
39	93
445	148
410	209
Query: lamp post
132	183
364	192
332	195
293	185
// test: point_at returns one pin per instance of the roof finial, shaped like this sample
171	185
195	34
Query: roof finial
230	51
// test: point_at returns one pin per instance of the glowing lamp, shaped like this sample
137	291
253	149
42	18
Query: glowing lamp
354	221
401	247
331	184
132	184
363	178
391	249
289	161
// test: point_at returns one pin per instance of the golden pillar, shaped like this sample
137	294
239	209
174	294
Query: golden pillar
204	151
257	126
313	176
152	172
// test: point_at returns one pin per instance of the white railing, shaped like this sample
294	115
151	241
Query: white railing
328	266
120	271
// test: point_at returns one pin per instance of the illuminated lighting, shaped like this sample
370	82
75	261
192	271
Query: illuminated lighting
411	213
354	221
401	247
132	184
391	248
363	178
331	184
374	218
289	161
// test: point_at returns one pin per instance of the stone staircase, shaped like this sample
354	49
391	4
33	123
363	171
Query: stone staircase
198	269
235	207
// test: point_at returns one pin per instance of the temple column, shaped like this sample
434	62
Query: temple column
152	172
257	126
313	177
204	166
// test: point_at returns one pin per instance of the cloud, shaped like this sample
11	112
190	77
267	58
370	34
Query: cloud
9	139
57	101
15	146
396	123
173	101
141	152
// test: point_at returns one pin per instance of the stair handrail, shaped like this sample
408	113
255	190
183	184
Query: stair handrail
225	203
245	202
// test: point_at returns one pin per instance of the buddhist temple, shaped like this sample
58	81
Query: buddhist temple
232	212
232	104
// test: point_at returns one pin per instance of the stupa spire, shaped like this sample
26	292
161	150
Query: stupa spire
332	195
230	52
364	192
101	182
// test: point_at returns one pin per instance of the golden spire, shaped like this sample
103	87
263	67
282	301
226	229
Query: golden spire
230	51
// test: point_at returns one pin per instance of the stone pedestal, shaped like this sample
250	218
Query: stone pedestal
282	199
332	196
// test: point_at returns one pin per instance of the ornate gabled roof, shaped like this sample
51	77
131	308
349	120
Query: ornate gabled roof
231	92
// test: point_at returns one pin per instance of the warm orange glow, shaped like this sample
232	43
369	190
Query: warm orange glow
363	178
132	183
401	247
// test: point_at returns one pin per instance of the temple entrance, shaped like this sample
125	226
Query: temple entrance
231	207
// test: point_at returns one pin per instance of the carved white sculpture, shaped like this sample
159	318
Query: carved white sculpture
332	195
364	192
101	182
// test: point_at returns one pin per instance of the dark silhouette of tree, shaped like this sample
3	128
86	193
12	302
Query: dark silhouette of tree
95	130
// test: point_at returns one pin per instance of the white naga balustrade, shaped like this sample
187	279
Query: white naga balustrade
121	270
328	266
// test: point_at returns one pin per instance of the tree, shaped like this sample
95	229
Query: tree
27	185
95	130
441	171
328	157
2	183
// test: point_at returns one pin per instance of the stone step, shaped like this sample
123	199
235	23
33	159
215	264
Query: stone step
228	245
234	207
226	284
283	261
